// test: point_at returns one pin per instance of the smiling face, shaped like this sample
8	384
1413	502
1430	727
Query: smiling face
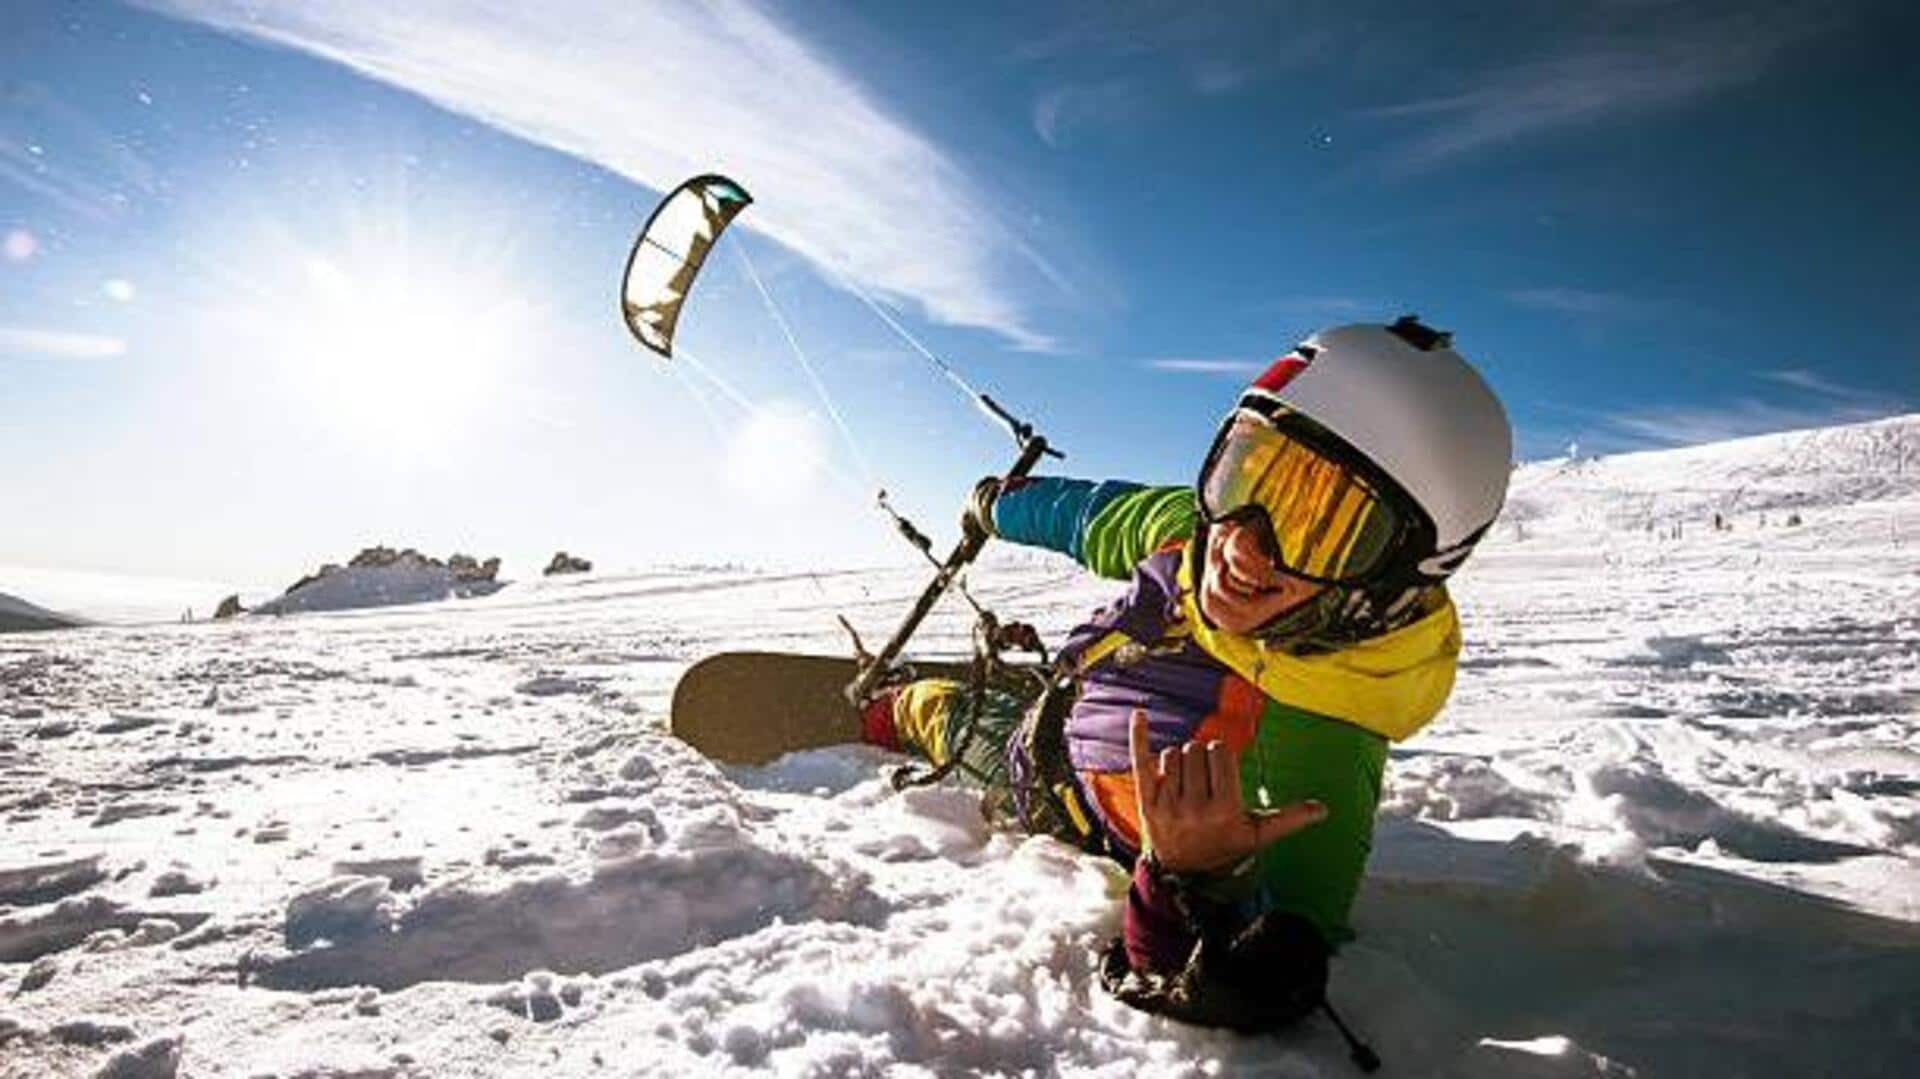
1240	588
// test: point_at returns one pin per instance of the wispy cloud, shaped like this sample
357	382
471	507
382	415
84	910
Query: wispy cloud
1064	110
1686	426
1656	62
1209	49
1806	378
659	91
1822	402
55	344
1135	60
1324	305
1574	301
1212	77
1239	368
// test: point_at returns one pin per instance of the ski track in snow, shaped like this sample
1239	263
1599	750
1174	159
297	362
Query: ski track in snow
1669	824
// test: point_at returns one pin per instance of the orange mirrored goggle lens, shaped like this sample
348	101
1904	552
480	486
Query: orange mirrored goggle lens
1329	524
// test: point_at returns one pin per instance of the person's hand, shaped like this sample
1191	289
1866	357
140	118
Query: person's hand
977	518
1190	806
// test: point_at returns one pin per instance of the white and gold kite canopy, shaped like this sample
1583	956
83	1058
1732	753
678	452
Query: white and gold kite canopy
669	252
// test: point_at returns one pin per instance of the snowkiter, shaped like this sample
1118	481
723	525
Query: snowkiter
1222	728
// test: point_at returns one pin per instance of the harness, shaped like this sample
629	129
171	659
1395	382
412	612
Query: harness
1051	800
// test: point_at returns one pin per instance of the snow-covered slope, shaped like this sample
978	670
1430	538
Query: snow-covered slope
1670	824
1817	474
18	616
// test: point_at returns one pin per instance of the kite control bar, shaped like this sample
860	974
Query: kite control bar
874	668
1023	433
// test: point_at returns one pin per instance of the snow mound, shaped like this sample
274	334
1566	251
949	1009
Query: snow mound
356	587
628	909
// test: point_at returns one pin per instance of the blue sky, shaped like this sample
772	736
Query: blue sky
280	280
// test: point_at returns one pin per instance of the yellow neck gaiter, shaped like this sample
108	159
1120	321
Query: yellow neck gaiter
1392	685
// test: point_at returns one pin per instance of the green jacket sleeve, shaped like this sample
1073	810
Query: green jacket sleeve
1107	527
1295	756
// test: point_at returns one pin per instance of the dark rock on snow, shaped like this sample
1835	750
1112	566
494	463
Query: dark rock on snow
463	567
566	563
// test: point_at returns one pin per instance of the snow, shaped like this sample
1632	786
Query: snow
1669	824
354	587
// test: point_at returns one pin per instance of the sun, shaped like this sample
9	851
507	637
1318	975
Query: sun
368	317
396	351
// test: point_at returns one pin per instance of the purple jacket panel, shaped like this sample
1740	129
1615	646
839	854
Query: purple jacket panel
1177	686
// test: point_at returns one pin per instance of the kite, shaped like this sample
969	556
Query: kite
669	252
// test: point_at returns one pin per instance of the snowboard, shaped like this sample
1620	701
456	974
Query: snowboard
751	707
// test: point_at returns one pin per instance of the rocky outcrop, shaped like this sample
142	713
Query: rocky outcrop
382	576
229	608
465	568
326	570
566	563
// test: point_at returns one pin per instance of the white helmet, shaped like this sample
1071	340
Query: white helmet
1402	405
1403	397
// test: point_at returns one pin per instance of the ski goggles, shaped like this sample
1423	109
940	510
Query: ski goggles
1330	517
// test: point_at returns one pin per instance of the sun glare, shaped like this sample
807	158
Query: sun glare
776	456
396	353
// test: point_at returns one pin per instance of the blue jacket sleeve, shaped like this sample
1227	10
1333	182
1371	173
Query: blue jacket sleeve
1107	526
1053	512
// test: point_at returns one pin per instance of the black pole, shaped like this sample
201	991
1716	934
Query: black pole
1031	450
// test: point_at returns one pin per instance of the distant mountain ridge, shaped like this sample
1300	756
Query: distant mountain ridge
19	616
1777	475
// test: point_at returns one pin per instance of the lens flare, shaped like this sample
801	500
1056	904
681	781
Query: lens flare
775	456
